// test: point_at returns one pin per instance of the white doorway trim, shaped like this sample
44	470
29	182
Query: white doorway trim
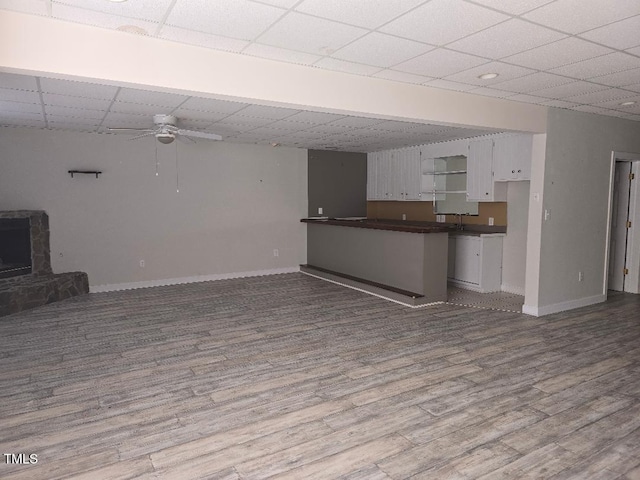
632	285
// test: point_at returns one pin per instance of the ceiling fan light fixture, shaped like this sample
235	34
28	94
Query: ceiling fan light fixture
488	76
628	104
165	138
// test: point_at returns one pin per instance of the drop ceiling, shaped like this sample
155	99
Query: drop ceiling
577	54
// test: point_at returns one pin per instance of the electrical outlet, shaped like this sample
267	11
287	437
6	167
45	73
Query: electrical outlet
404	216
491	220
142	263
580	276
547	214
276	253
319	210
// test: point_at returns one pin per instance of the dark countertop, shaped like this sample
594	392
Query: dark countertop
408	226
396	226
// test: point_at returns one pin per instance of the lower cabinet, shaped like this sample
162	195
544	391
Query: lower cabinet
475	262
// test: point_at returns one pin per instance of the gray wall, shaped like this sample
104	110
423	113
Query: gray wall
514	245
572	183
237	203
337	183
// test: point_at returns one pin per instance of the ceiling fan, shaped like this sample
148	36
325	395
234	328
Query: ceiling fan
166	130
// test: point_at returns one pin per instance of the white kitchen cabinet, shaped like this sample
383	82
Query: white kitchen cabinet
512	158
475	262
394	175
480	183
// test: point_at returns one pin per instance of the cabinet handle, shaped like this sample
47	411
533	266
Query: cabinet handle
513	171
519	171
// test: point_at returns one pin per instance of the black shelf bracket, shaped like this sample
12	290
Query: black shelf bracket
85	172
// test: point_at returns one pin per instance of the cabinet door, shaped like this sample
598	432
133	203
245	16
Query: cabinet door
451	260
479	174
467	262
512	158
412	174
372	175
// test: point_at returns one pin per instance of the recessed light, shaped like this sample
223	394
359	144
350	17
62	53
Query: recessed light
275	144
488	76
626	104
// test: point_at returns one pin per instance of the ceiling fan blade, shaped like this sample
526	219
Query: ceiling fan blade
184	139
130	129
194	133
152	132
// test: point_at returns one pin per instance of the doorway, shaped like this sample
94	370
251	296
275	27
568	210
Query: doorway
623	271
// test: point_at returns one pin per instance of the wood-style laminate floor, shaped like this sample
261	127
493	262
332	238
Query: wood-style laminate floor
293	377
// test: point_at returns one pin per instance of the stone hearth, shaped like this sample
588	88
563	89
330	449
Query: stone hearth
41	286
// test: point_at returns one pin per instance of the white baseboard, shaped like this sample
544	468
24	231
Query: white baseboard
512	289
199	278
562	306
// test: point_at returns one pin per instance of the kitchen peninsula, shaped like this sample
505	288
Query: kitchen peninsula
402	261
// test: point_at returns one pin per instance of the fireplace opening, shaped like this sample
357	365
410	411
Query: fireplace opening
15	247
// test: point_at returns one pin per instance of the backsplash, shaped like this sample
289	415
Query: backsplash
423	211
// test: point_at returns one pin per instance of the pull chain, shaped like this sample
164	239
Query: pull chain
177	171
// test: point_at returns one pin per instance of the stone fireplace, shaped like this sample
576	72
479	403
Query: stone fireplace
26	278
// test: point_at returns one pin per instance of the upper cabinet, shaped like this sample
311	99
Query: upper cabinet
480	180
412	173
512	158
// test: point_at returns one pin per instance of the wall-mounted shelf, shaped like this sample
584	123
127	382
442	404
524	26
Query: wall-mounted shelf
84	172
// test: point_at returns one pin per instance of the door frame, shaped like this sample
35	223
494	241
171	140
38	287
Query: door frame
632	284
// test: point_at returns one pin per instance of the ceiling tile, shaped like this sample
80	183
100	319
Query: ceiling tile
491	92
507	38
562	52
401	76
34	7
363	13
327	129
524	98
238	119
310	34
21	116
18	82
100	19
381	50
278	3
152	10
568	90
347	67
71	121
575	16
618	79
594	67
506	71
315	118
559	104
440	63
77	89
535	81
356	122
196	115
146	97
19	96
280	54
633	88
615	104
75	102
268	132
22	121
230	18
193	124
634	51
223	129
514	7
619	35
289	126
261	111
449	85
139	108
591	109
201	39
74	112
8	107
212	105
125	120
439	22
600	96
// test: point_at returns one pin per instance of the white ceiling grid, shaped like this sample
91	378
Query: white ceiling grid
578	54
